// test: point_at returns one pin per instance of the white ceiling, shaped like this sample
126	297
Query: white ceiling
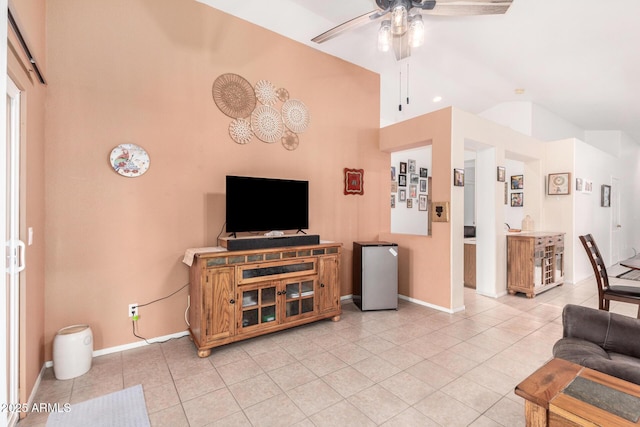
577	58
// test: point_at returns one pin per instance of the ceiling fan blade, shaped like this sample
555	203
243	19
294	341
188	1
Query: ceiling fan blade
348	25
469	7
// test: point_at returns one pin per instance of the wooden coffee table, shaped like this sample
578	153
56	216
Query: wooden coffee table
562	393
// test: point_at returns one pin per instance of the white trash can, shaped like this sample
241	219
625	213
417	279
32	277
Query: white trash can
72	351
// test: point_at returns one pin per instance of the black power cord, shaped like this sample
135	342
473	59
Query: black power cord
133	322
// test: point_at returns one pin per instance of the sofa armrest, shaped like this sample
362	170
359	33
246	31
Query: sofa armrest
613	332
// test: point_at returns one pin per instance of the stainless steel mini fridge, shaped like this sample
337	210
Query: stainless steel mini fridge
375	275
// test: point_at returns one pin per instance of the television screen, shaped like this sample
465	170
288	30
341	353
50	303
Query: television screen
266	204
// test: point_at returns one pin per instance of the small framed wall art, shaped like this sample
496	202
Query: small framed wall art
458	177
440	211
517	200
605	196
422	202
353	181
517	182
559	183
501	173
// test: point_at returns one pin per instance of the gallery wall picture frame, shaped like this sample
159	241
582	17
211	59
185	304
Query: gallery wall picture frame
413	191
394	187
517	182
588	186
559	183
517	199
402	180
458	177
579	184
393	173
423	185
412	166
501	173
506	193
422	202
393	201
410	203
402	195
414	178
424	172
605	196
403	167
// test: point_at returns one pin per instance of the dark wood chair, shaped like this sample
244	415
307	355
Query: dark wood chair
606	292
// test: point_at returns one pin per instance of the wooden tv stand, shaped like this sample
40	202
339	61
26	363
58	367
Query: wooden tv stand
237	295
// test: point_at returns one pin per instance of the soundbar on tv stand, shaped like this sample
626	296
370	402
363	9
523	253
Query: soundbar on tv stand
264	242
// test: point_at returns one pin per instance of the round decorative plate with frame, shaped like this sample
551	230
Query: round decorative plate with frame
234	95
129	160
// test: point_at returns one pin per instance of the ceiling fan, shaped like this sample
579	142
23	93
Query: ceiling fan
404	28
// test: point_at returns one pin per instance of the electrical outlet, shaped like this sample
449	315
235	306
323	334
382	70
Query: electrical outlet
133	310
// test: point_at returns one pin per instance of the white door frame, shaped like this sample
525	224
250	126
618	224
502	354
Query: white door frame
14	246
3	189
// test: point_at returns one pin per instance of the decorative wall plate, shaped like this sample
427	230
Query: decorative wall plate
240	131
129	160
266	123
266	92
295	115
234	95
290	140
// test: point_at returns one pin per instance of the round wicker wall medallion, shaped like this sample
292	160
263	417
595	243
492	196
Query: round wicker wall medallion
266	123
290	140
234	95
266	92
295	115
240	131
282	94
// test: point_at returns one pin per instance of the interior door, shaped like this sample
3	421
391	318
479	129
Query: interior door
616	226
14	251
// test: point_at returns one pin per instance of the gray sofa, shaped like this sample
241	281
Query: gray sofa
603	341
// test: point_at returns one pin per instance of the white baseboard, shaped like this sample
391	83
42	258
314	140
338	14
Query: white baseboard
346	297
130	346
436	307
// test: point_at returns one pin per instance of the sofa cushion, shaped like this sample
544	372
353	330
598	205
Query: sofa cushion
577	350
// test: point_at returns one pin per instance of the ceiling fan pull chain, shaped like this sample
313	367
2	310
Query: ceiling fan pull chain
407	83
400	93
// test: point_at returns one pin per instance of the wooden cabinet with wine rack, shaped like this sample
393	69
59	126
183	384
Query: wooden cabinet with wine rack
535	262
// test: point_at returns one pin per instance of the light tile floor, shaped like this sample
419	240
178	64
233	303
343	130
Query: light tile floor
412	367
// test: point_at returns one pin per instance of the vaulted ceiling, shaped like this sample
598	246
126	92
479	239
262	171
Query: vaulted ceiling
580	59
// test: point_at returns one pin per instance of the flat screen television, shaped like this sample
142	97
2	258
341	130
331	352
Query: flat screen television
266	204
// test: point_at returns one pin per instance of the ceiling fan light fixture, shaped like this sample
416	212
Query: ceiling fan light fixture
384	36
416	31
399	20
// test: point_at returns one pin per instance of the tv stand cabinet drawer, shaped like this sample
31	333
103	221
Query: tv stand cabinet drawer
251	273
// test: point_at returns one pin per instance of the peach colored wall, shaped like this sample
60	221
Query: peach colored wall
141	71
425	261
31	17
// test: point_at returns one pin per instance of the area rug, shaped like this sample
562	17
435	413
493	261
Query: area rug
124	408
630	275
